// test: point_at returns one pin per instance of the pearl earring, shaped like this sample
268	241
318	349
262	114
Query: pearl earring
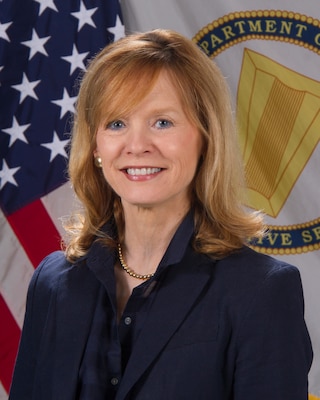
98	162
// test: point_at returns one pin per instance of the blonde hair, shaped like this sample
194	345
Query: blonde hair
116	80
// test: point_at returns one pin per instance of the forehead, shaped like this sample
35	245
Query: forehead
163	90
149	86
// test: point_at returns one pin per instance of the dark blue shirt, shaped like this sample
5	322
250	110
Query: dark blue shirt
110	343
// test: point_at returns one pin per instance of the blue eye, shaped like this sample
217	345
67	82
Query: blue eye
163	124
115	125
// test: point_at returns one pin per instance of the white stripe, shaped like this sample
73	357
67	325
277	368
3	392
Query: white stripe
15	273
3	393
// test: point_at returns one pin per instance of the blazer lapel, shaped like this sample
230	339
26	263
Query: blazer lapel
181	287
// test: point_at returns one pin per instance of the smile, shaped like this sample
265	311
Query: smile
142	171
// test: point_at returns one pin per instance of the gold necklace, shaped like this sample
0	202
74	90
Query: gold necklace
129	270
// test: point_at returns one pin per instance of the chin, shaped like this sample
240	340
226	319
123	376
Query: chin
142	204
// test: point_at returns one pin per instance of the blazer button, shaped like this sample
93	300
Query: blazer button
114	381
127	320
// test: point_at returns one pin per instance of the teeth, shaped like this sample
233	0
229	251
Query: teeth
142	171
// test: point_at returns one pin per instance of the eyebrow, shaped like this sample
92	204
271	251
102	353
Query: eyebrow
165	110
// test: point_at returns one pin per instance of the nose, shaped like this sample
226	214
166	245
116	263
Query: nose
138	140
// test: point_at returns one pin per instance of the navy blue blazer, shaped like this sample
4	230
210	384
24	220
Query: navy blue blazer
232	329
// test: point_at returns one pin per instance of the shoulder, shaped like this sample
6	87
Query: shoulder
54	263
45	280
55	273
247	263
50	269
56	279
248	277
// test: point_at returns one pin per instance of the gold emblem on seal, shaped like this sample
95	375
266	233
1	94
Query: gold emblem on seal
279	117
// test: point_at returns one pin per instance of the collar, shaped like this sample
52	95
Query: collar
179	243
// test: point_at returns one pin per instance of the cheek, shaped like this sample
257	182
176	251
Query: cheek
192	148
108	153
188	160
107	148
110	177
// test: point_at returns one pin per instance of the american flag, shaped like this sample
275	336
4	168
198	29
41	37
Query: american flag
44	47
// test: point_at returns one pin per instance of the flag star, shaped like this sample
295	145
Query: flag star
84	16
3	28
76	60
16	132
26	88
56	147
36	44
44	4
118	29
7	175
66	103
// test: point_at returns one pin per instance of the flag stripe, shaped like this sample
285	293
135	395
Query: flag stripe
3	392
9	340
35	241
15	272
44	239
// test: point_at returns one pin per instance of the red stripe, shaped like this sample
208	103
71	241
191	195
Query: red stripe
9	341
35	230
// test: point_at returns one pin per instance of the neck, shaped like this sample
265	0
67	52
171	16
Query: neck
147	236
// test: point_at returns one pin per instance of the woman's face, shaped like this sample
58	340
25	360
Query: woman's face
150	156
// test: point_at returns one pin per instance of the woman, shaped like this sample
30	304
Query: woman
157	294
